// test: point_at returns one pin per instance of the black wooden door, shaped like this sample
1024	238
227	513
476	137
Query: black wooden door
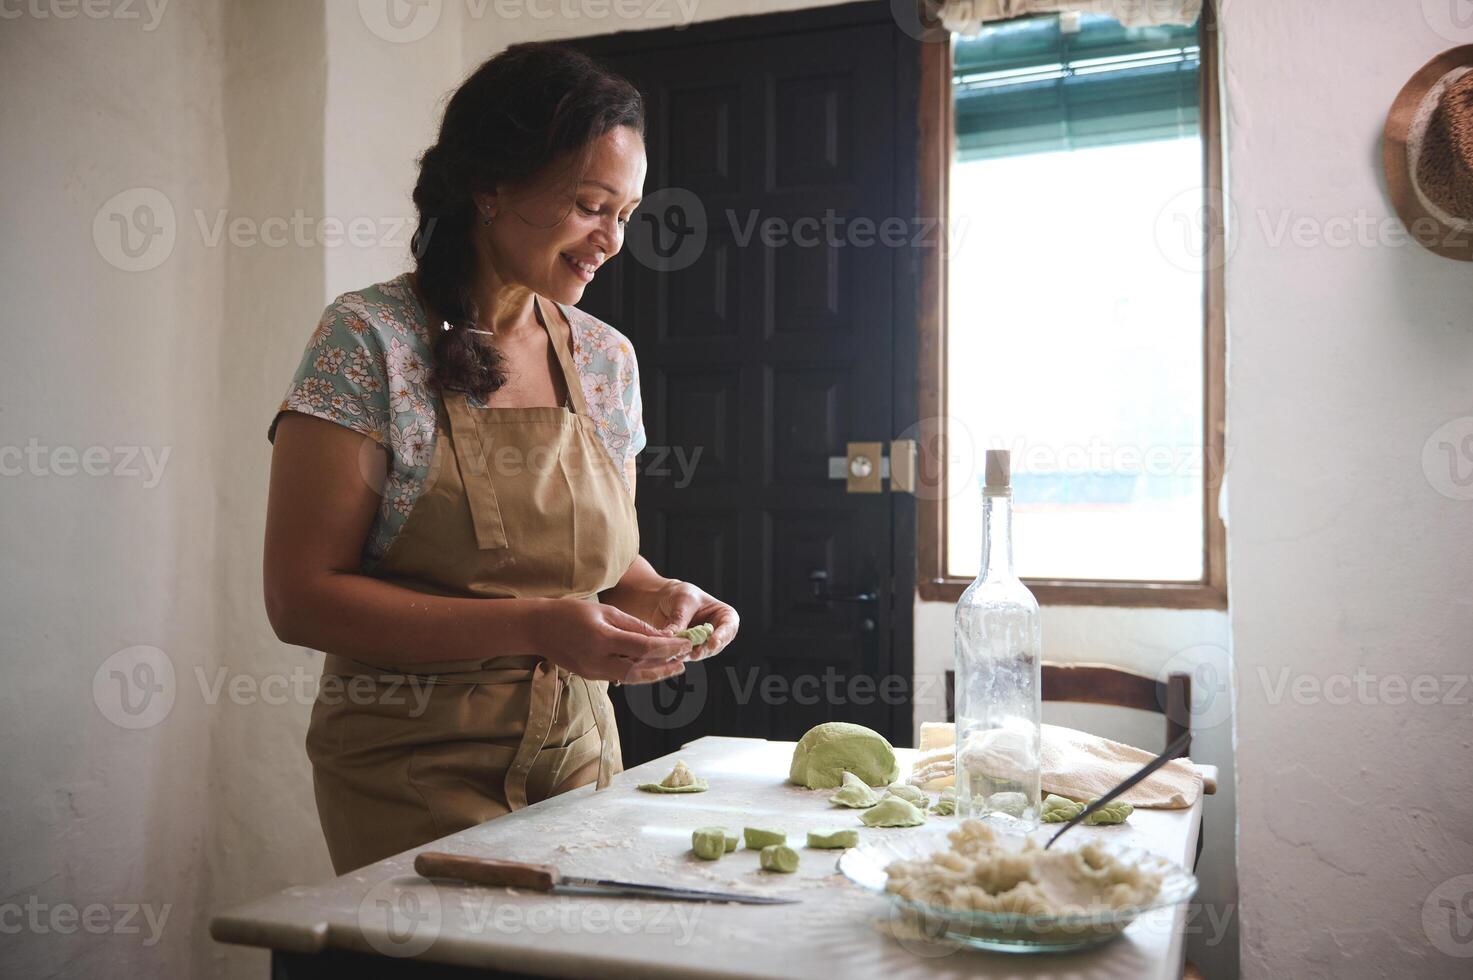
769	315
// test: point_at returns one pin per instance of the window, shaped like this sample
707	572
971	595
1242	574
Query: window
1076	310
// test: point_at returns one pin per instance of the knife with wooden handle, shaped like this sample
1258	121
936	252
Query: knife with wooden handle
546	878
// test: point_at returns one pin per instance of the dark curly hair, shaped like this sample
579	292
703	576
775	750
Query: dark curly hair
515	115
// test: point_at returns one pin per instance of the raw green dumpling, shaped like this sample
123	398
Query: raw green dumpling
697	634
757	838
833	839
1109	813
680	780
909	794
833	748
945	805
855	792
733	841
709	843
1057	809
779	857
892	811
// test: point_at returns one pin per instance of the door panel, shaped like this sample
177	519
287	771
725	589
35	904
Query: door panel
769	348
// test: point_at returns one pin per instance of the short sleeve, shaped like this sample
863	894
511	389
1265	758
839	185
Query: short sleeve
634	412
342	377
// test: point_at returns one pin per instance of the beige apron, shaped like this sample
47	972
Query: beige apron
518	502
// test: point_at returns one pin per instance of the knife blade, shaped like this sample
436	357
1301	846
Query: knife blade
546	878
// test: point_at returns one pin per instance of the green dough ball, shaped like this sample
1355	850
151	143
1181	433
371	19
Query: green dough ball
709	843
855	793
733	841
833	838
680	780
757	838
1057	809
909	794
829	750
945	805
779	857
892	811
697	634
1110	813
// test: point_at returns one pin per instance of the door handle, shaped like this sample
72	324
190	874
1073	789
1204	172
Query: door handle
819	578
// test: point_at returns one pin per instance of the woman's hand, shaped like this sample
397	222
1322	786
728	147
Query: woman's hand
602	643
679	605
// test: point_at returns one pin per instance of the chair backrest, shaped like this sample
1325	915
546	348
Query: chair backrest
1103	684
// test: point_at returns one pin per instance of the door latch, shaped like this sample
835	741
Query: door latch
865	467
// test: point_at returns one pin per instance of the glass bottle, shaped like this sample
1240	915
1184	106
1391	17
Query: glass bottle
998	645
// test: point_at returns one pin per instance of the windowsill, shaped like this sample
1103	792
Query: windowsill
1164	595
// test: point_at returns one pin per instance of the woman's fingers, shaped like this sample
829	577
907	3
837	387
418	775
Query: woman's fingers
724	624
615	616
639	641
651	675
647	650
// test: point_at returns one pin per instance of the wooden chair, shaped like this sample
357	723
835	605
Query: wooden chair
1103	684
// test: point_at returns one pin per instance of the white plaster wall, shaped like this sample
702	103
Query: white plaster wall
264	822
103	825
1348	350
385	95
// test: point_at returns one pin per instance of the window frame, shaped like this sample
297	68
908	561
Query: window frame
938	149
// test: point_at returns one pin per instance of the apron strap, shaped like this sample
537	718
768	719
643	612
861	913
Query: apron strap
480	491
557	330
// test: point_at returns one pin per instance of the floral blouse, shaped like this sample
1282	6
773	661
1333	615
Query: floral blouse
367	367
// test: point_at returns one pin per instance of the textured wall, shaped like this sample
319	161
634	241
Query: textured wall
113	305
1349	349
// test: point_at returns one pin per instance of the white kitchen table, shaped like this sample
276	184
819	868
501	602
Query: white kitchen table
385	920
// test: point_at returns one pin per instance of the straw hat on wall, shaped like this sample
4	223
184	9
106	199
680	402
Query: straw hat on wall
1428	154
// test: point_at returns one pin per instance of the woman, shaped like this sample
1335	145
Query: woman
464	433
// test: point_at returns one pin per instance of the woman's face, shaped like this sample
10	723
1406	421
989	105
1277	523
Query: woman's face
552	235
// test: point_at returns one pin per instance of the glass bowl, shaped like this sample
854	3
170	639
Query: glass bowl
1007	932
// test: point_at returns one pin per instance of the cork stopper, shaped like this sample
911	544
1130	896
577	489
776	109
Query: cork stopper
998	471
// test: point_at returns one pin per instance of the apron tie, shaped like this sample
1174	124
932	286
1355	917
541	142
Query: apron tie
546	692
605	726
548	681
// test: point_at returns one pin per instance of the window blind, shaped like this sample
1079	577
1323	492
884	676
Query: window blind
1043	84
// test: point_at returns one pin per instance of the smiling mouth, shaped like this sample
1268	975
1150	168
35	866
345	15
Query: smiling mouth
584	270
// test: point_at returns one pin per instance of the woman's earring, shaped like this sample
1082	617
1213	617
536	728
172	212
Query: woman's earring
485	218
